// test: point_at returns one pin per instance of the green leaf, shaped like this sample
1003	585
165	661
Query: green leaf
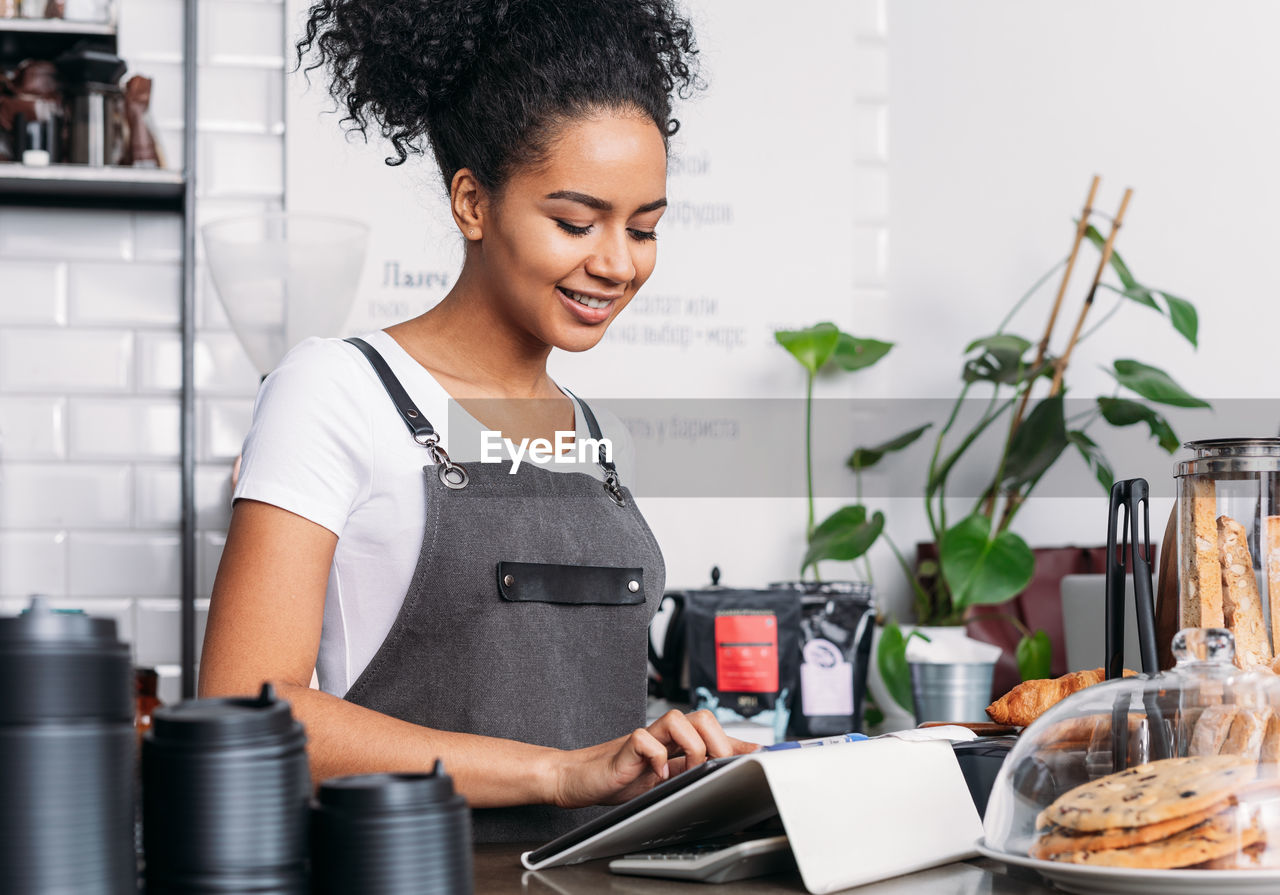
1034	655
1094	457
866	457
1154	384
1006	342
813	347
845	534
1124	412
981	569
852	353
1121	269
891	659
1036	444
1000	359
871	715
1142	295
1184	317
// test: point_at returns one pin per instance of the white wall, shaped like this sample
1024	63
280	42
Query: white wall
1001	111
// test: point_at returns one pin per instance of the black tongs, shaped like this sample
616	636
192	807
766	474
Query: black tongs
1130	497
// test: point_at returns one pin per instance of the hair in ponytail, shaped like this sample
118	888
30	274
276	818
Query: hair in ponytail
486	84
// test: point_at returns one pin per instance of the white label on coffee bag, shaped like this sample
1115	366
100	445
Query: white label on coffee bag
826	680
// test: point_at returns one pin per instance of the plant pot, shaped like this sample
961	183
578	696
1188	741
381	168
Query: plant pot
897	716
1039	607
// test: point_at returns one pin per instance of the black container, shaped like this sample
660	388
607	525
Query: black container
67	752
391	834
225	788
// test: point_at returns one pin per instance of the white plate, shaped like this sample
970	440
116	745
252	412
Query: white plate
1123	880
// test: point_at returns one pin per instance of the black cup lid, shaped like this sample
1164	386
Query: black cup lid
382	793
208	721
41	625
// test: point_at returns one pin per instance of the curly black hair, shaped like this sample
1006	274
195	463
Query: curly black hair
487	83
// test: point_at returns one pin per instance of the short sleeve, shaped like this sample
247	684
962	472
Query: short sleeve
309	447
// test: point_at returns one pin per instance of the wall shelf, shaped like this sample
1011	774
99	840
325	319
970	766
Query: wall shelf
56	26
84	186
47	38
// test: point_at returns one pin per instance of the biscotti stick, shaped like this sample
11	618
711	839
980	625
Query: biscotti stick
1241	604
1212	729
1248	729
1271	555
1269	757
1202	579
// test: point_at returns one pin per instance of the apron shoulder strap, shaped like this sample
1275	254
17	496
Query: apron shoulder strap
612	483
453	475
419	426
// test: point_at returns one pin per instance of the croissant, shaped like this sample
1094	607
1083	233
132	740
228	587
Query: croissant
1031	699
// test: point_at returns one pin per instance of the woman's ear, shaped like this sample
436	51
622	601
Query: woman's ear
466	196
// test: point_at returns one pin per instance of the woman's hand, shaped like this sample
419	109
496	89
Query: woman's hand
614	772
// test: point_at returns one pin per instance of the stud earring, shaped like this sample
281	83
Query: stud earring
471	232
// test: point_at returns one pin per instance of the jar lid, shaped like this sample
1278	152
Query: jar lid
225	720
1214	456
42	625
367	794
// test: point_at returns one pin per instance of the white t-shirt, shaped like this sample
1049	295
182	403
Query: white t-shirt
327	444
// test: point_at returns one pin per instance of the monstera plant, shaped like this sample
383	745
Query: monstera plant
981	560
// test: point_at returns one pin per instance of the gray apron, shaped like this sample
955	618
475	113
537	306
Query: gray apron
527	614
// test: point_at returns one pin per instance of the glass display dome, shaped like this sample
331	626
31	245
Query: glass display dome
1147	783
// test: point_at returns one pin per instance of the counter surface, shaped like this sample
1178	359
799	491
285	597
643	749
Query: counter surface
498	872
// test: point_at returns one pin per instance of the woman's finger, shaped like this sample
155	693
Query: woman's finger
642	749
677	731
708	727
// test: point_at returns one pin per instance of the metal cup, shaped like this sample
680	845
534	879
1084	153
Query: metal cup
951	691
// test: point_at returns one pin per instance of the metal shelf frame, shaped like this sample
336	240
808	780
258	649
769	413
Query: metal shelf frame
190	69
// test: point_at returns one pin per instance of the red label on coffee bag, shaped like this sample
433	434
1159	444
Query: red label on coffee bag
747	653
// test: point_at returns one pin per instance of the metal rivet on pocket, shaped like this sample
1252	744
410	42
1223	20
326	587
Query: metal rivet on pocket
508	580
633	586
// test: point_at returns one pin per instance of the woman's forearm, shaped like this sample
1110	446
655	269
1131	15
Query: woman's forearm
344	738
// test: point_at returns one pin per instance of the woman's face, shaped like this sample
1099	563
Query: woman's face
570	242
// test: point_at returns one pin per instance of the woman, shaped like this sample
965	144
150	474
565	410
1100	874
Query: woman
500	622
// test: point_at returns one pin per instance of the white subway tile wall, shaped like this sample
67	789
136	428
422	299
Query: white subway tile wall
90	350
36	291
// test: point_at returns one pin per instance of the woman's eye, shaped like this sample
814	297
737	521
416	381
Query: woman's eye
573	229
643	235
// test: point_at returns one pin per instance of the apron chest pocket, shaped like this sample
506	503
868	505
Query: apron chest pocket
539	582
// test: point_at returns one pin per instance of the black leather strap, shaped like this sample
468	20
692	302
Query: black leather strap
538	582
418	424
593	428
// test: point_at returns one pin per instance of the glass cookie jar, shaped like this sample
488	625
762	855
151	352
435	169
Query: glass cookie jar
1144	781
1229	543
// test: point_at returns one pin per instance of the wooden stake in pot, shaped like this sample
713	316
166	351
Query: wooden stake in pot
1043	348
1116	222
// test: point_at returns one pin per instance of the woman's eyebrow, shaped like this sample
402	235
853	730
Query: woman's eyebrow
602	204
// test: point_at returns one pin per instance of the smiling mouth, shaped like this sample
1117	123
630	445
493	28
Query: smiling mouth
586	300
